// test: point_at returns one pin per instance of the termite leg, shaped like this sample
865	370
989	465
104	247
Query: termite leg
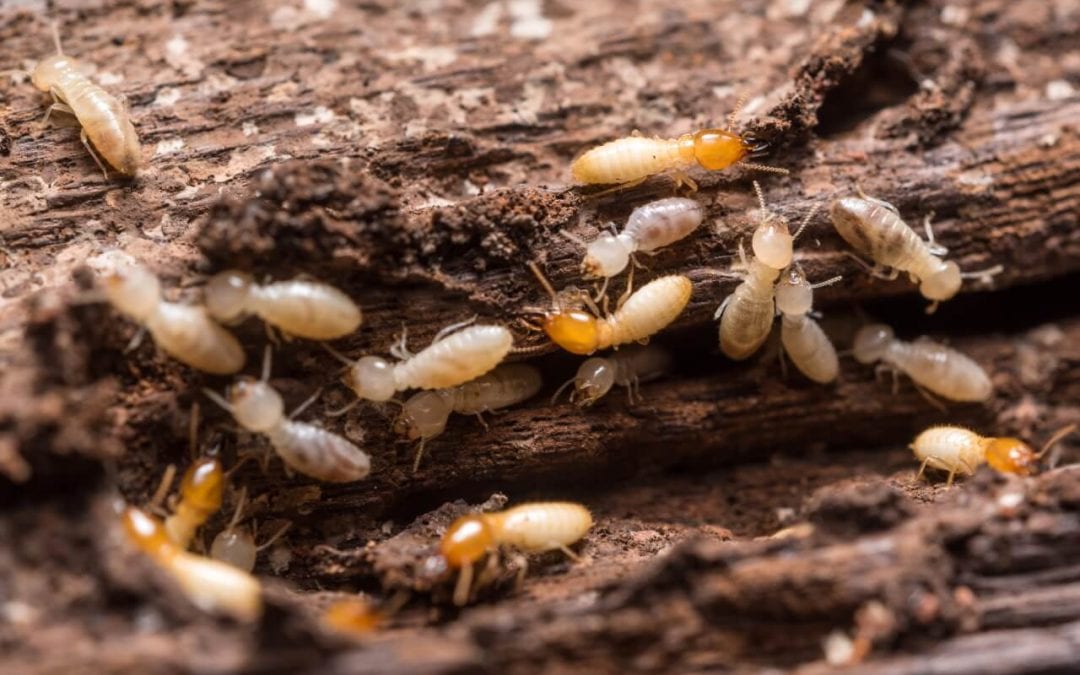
930	398
682	178
935	248
922	469
57	106
620	187
341	411
136	340
158	497
932	307
306	404
400	350
419	455
952	476
482	421
629	290
522	564
602	292
569	554
90	149
874	270
464	583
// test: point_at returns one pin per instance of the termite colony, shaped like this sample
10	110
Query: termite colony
464	370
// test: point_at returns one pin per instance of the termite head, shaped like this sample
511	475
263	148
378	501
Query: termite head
467	540
424	415
146	532
943	284
203	484
871	342
576	331
134	291
716	149
593	381
49	70
605	257
353	616
1011	455
372	378
255	405
226	295
772	242
794	294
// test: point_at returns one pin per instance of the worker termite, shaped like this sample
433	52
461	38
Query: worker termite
185	332
941	370
235	545
630	160
529	528
627	368
105	124
873	227
424	415
311	450
210	585
959	450
453	357
307	309
648	311
650	228
806	344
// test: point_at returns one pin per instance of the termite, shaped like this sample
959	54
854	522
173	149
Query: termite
306	448
529	528
874	228
630	160
746	315
105	124
935	367
650	228
424	415
185	332
306	309
961	451
210	585
454	357
235	545
806	344
201	491
627	368
353	616
648	311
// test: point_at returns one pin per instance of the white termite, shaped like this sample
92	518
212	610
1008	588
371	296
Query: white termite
303	308
628	367
183	331
935	367
309	449
424	415
235	545
805	343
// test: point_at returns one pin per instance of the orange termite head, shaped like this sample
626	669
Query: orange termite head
146	532
576	331
203	484
353	616
1012	455
716	149
467	540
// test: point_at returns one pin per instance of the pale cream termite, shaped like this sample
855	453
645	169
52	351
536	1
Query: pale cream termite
306	448
805	343
935	367
183	331
960	451
236	545
648	311
454	357
424	415
529	528
649	228
627	367
873	227
211	586
106	126
306	309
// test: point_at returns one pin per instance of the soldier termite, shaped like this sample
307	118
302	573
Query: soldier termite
630	160
210	585
201	490
106	126
648	311
935	367
454	357
874	228
424	415
235	545
183	331
306	448
307	309
961	451
627	368
529	528
806	344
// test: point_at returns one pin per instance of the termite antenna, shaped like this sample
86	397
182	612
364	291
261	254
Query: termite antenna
545	283
239	509
574	238
734	114
193	429
806	221
1060	434
766	168
561	389
267	360
760	198
271	540
218	399
827	282
984	275
56	38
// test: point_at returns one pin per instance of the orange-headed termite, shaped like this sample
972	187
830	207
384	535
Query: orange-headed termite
529	528
185	332
961	451
306	309
235	545
806	344
210	585
424	415
940	369
201	490
627	367
106	126
648	311
311	450
873	227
